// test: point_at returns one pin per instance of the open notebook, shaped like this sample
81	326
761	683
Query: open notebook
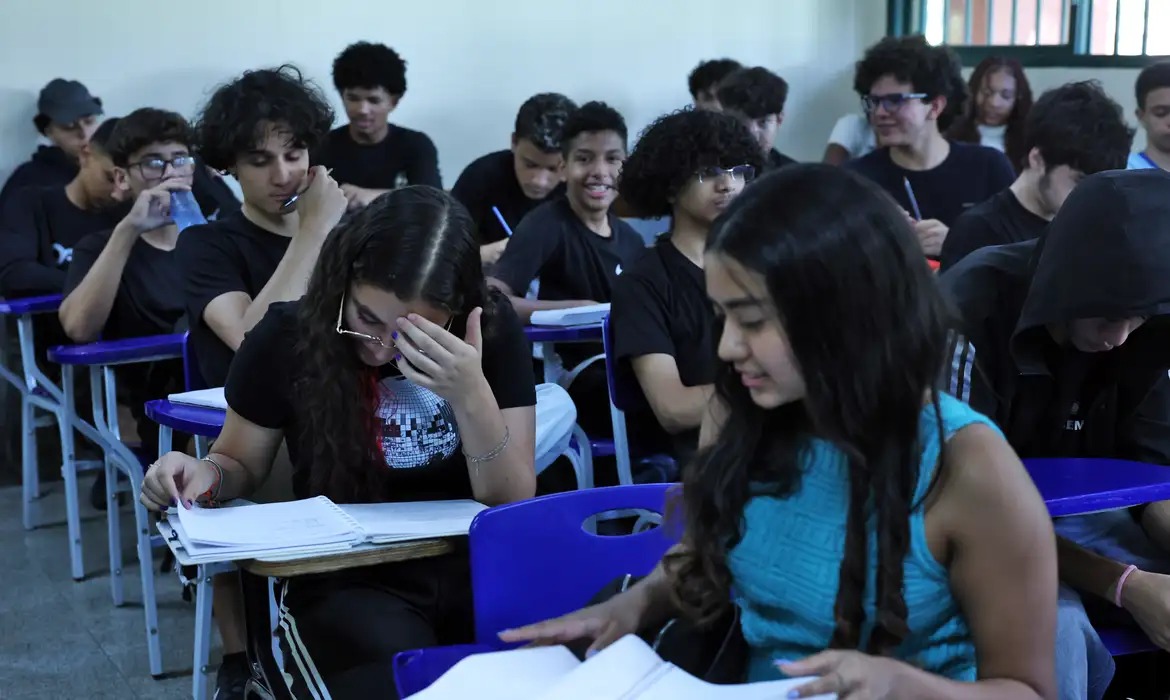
576	316
628	669
312	526
207	398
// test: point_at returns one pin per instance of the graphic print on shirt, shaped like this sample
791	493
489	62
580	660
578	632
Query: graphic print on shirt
418	427
64	255
1074	423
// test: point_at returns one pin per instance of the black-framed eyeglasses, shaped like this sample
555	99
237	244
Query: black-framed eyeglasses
152	168
739	173
366	337
891	102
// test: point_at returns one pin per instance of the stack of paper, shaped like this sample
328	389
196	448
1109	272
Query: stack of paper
207	398
576	316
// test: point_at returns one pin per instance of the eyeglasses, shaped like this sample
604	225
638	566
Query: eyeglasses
739	173
365	336
152	168
891	102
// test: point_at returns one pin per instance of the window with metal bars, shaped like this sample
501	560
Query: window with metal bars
1041	32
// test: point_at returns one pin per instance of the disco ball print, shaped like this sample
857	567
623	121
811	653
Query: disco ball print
418	427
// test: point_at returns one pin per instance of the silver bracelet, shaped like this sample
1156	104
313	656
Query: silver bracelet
214	498
490	454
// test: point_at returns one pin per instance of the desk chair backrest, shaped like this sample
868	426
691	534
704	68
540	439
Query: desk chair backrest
624	392
192	377
533	560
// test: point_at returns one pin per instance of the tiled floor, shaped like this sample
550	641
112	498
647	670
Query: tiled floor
65	639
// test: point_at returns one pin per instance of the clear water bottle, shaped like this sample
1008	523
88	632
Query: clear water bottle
185	210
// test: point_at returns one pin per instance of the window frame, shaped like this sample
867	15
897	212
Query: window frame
907	17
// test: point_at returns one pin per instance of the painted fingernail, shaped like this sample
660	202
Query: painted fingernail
394	335
591	653
189	504
172	503
398	358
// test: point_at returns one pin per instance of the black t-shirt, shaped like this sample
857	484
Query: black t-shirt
419	436
490	181
404	157
571	261
660	306
969	175
38	229
998	221
231	254
776	159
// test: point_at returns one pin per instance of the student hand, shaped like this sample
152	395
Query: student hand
175	478
931	234
604	623
322	204
1146	596
439	361
358	197
852	675
152	208
491	252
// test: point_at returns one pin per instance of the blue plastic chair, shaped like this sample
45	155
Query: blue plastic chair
534	560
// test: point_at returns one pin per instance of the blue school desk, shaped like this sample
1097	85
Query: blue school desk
563	334
194	420
1082	486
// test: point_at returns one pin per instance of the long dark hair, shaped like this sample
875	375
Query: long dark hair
966	127
418	243
867	329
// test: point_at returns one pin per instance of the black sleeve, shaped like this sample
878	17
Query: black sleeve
423	168
1001	175
639	318
1144	434
965	376
211	267
468	191
532	244
969	233
258	383
22	273
507	358
20	179
85	254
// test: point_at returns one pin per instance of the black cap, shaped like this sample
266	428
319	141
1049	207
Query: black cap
66	101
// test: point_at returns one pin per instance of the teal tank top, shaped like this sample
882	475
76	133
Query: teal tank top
785	570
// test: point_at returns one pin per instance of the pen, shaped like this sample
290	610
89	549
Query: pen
500	218
913	199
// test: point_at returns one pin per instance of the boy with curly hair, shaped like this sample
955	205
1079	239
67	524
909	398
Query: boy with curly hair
370	156
689	166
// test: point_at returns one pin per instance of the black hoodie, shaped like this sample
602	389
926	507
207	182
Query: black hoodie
1105	255
48	167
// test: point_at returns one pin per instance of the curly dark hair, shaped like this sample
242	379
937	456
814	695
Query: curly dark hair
1152	77
934	70
755	92
676	146
541	120
591	117
369	65
417	242
233	120
707	75
1079	125
966	126
143	127
829	244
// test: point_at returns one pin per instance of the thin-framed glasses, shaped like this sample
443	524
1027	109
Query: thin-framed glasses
739	173
366	337
891	102
153	168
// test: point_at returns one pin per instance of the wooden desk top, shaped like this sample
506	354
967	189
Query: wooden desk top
364	555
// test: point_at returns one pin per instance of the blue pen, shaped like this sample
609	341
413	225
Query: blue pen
913	199
500	218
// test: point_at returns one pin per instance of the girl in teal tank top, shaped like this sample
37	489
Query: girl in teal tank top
872	531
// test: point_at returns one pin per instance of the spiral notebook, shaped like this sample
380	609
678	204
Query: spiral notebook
628	669
312	526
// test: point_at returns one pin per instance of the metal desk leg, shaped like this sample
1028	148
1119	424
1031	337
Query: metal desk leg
30	481
113	517
202	650
69	472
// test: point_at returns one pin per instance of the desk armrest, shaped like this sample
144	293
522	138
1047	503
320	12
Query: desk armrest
111	352
382	554
31	305
563	334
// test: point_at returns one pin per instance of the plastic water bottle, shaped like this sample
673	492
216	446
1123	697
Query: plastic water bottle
185	210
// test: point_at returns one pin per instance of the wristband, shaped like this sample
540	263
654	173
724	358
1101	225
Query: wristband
1121	582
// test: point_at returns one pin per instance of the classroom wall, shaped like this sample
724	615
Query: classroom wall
471	63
